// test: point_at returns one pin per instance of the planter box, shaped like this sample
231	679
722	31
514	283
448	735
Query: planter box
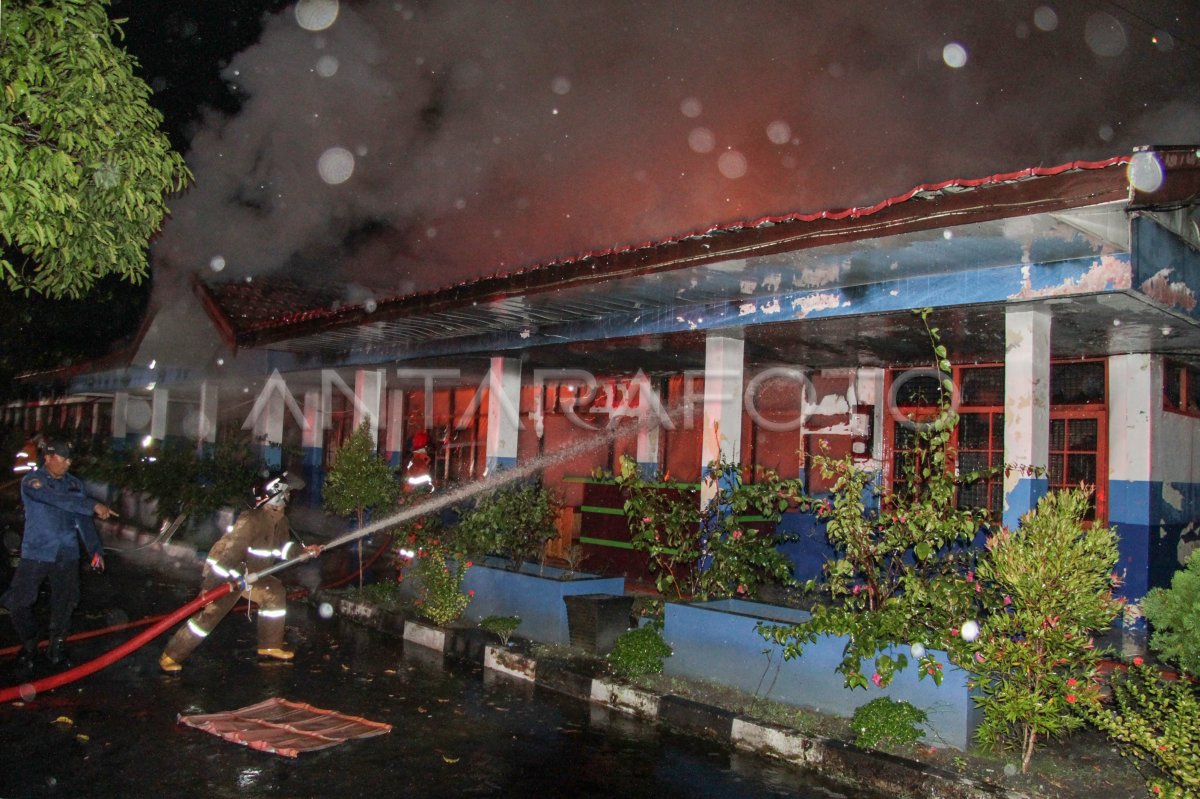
535	593
717	641
595	621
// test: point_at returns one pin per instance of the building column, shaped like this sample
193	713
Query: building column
120	426
1135	386
721	429
368	400
393	441
159	411
206	418
650	415
312	440
268	428
1026	410
504	415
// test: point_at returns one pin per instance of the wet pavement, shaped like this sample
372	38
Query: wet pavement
457	730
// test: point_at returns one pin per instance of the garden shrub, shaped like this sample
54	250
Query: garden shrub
639	651
886	721
502	626
442	599
1174	617
1156	723
515	521
708	552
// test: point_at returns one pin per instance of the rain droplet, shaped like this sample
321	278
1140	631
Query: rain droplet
27	692
955	55
732	164
217	263
1163	41
691	107
1045	19
560	85
336	165
316	15
327	66
370	305
1104	34
702	140
779	132
325	610
1145	172
1105	133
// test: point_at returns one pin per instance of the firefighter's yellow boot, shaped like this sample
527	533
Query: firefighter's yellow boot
276	654
169	664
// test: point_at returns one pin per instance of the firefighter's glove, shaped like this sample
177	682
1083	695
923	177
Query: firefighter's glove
98	562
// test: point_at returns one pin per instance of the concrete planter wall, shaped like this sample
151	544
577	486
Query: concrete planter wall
535	593
717	641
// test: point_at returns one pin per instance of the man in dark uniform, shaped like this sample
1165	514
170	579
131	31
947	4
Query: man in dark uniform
57	515
257	539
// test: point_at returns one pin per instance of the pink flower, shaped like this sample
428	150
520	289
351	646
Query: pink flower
741	589
1007	600
857	588
737	534
646	520
978	588
1070	699
953	632
877	679
469	564
978	657
1072	682
1138	661
970	576
471	592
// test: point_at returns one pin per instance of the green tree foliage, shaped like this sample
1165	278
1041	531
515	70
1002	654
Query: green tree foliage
86	167
360	480
1174	616
514	521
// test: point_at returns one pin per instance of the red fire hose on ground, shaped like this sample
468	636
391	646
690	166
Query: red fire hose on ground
28	691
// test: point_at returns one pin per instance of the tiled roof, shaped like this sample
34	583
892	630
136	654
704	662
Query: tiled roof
266	309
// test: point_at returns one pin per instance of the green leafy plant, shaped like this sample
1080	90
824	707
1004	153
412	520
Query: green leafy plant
180	479
502	626
886	721
639	651
902	553
385	593
514	521
710	551
1049	589
87	169
1156	723
442	599
1174	620
359	481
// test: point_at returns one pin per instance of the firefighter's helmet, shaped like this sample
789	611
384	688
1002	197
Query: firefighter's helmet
274	488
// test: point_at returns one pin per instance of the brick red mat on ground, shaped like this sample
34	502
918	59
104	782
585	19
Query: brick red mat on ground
285	728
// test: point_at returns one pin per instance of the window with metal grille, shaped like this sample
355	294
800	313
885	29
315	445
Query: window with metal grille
1181	389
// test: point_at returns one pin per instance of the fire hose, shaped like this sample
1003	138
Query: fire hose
28	690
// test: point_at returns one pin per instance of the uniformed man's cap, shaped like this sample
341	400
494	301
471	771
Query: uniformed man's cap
57	447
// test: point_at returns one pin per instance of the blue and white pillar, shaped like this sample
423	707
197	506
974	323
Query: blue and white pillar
268	427
721	430
368	400
120	426
1135	384
504	414
393	443
206	418
1026	410
312	441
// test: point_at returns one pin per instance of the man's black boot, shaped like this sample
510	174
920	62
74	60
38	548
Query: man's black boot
57	654
27	657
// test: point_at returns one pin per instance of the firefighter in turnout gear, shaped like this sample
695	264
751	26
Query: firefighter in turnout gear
258	538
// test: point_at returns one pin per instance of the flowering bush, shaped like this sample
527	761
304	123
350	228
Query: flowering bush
704	552
442	600
1018	616
1049	588
514	521
1156	722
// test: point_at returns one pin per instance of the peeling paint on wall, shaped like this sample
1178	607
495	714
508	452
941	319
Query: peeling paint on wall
747	308
817	276
1105	274
814	302
748	286
772	282
1177	295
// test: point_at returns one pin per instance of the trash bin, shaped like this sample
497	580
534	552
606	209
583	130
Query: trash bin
595	621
